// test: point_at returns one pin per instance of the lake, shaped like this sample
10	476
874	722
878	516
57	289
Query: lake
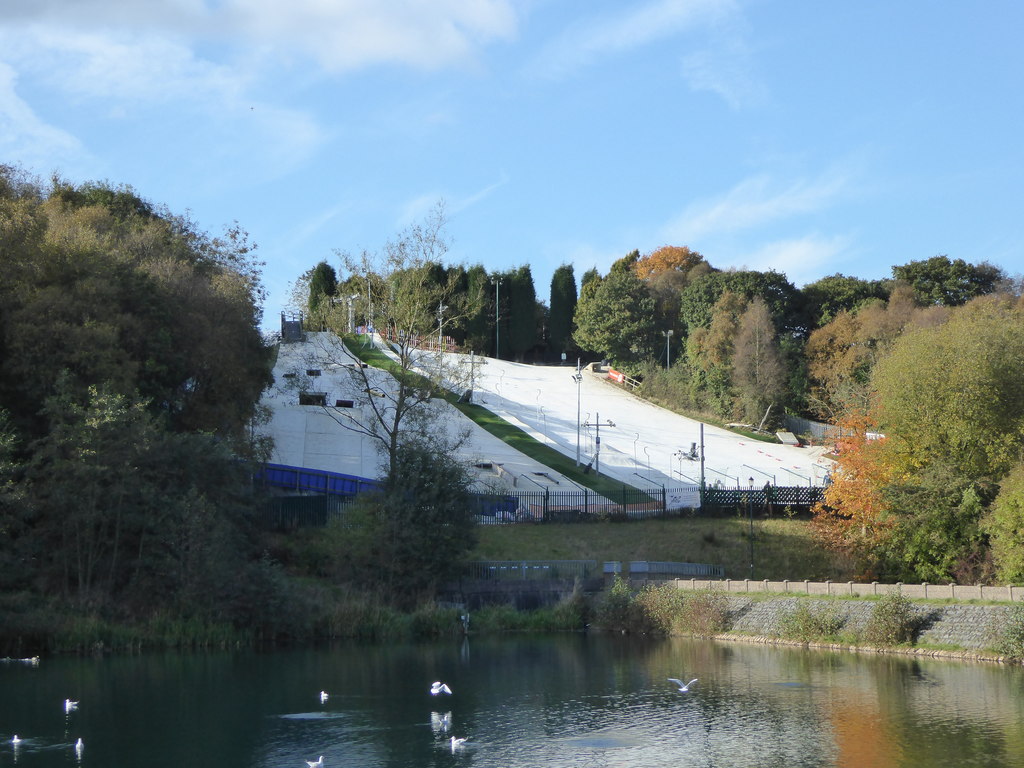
519	701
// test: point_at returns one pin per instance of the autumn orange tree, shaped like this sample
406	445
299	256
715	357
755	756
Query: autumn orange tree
854	518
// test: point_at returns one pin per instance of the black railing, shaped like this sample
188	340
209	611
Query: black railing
504	570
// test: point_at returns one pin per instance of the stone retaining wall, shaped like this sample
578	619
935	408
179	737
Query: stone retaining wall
1008	593
974	627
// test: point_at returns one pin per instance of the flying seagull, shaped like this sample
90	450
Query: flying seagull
684	687
439	687
323	696
70	705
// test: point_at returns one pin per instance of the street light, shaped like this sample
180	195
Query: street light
597	438
497	306
750	511
351	316
668	335
440	324
578	378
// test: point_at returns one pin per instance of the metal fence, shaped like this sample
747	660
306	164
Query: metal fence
494	570
655	569
573	506
324	496
772	496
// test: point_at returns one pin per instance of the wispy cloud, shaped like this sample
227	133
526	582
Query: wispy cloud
461	204
802	259
340	36
584	43
756	201
718	61
26	136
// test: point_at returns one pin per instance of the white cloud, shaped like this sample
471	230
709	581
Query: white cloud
756	201
342	36
582	44
25	136
802	260
718	59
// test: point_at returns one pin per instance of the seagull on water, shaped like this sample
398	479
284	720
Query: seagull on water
323	696
457	743
79	747
15	740
317	763
441	722
683	687
439	687
70	705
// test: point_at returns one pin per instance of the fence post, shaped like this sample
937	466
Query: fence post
547	505
664	502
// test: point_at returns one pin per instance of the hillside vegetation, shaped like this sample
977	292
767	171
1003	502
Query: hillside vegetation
783	548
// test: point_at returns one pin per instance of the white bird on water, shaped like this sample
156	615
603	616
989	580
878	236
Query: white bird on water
457	743
439	687
317	763
15	740
69	705
79	747
683	687
323	696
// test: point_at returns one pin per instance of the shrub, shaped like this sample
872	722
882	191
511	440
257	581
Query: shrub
892	621
616	607
657	608
810	624
705	613
1011	634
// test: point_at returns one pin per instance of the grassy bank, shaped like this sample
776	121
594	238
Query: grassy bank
783	548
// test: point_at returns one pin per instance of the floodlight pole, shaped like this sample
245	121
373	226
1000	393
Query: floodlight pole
497	309
750	511
578	378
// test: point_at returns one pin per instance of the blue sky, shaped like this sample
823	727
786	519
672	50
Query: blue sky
807	137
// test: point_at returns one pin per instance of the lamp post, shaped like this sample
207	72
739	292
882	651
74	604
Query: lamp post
578	378
351	313
597	439
497	308
750	512
440	324
668	361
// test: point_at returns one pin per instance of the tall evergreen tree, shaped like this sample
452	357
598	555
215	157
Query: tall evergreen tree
562	307
522	312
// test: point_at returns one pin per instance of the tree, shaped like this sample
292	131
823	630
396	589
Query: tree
1005	527
522	303
408	294
954	392
562	307
842	353
710	354
323	285
698	298
940	280
418	531
137	303
824	299
615	317
757	370
668	258
854	518
479	320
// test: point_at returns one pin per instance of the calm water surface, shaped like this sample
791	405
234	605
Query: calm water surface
540	701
